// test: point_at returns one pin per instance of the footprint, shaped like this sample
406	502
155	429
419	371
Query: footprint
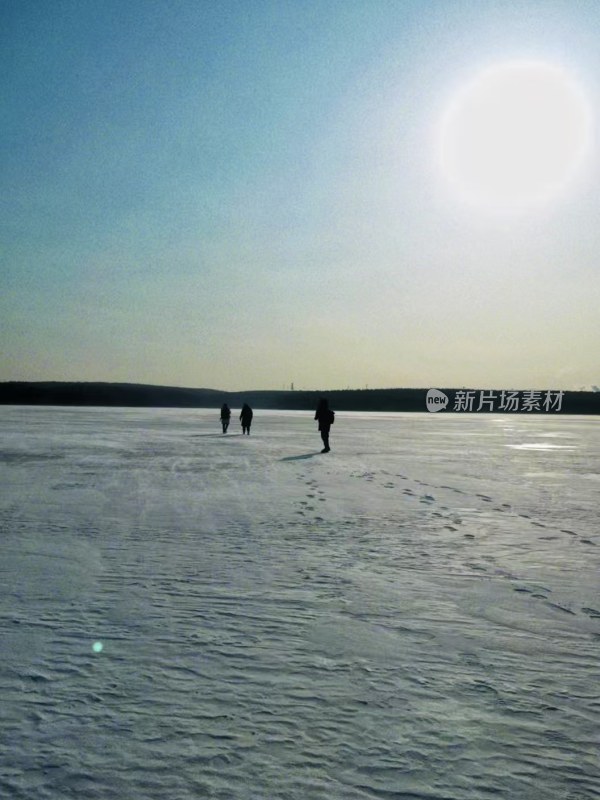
485	497
450	528
538	524
588	541
591	612
322	499
566	530
469	536
389	485
560	608
427	498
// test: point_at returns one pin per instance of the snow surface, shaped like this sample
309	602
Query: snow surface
190	615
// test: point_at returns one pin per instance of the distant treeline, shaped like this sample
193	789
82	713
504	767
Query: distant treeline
140	395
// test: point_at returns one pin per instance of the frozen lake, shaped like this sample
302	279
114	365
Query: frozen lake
189	615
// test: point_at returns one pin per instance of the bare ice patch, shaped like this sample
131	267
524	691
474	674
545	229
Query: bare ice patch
540	446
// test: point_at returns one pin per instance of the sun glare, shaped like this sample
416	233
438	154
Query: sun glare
515	136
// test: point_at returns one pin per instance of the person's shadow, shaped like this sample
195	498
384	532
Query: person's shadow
215	435
299	458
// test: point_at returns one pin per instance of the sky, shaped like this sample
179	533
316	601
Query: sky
246	195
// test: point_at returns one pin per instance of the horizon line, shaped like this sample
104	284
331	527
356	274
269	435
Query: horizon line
592	390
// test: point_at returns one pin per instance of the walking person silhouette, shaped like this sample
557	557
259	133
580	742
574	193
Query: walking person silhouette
225	416
246	418
325	417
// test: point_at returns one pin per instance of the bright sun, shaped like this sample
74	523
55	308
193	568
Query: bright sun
515	135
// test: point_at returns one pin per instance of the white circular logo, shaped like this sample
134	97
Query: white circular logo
436	400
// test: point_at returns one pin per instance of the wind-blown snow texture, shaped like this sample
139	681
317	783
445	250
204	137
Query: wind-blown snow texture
414	615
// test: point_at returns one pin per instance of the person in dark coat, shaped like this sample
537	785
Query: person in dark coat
246	418
225	416
325	417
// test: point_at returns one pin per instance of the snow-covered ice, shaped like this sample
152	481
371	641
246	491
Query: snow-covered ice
189	615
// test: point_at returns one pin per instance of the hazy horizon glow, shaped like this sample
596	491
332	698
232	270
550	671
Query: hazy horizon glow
244	196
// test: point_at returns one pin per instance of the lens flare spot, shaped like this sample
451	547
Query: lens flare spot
97	647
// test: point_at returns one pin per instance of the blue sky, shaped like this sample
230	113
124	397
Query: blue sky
240	195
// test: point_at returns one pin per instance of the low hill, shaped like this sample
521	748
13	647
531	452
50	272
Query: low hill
142	395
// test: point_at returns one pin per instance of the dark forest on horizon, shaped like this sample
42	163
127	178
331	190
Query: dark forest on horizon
54	393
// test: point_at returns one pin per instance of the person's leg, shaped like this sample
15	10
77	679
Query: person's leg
325	438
